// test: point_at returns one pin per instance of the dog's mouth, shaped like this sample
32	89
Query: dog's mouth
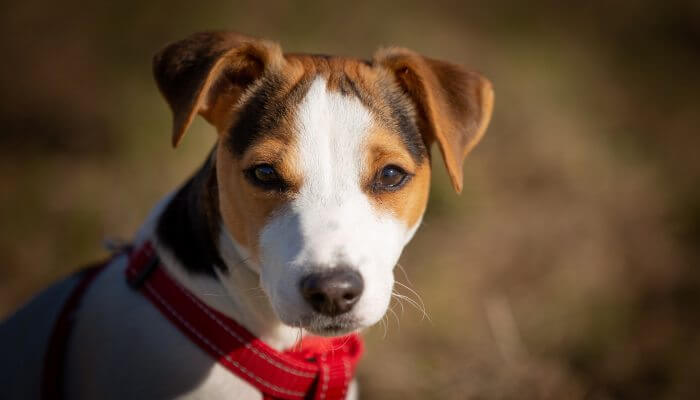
330	326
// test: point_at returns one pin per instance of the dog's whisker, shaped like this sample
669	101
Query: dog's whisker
405	275
415	305
415	293
418	306
398	298
398	323
421	307
384	325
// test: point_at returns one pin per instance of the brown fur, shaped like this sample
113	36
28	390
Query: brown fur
244	207
207	68
408	203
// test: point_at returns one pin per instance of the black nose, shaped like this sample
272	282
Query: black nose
333	292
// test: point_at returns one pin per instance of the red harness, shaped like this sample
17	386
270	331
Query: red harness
316	368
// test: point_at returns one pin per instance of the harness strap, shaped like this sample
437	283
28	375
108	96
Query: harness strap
52	378
315	368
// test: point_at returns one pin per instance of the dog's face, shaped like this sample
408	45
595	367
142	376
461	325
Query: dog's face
323	164
329	187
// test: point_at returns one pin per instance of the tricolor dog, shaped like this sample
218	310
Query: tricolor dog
291	228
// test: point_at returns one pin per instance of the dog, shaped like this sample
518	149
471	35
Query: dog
292	226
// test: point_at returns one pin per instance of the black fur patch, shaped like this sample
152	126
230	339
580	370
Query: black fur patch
401	113
399	119
263	111
256	116
190	225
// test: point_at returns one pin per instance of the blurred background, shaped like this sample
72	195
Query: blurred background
568	268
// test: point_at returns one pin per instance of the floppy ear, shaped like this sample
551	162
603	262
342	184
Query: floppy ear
454	105
200	73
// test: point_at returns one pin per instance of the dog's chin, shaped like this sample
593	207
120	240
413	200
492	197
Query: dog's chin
332	330
322	325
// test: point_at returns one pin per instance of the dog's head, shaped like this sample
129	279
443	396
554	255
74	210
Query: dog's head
323	163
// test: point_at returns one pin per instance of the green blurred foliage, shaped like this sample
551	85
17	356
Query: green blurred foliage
566	269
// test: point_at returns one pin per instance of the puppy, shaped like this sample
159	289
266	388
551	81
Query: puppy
293	225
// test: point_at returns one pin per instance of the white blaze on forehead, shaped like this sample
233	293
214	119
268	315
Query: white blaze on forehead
332	130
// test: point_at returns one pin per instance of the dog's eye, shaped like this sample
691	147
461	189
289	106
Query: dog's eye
265	173
265	176
391	177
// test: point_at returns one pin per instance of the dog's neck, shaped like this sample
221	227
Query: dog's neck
197	250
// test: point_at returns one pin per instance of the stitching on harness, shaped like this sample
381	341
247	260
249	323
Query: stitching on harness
324	387
217	350
346	376
304	374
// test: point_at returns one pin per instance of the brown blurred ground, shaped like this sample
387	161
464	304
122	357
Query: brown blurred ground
567	269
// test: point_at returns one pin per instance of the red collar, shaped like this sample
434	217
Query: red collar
317	366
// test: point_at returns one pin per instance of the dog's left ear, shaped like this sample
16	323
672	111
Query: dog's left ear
453	105
207	72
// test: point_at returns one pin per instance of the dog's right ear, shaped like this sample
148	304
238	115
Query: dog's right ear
209	69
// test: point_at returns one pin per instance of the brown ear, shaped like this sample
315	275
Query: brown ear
454	105
194	74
